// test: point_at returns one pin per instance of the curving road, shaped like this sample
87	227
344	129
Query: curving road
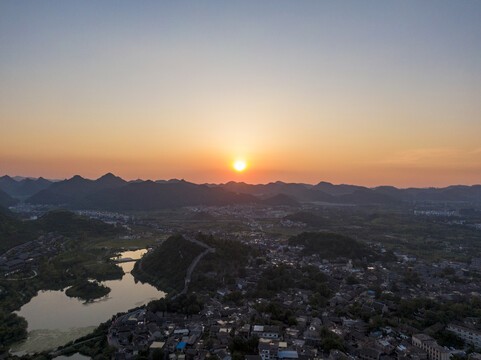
35	274
194	263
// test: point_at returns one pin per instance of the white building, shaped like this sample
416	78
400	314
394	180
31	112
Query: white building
433	349
470	336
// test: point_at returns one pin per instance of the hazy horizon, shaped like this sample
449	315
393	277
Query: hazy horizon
367	93
220	183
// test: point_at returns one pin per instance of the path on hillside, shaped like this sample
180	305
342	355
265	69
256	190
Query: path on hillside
35	274
194	263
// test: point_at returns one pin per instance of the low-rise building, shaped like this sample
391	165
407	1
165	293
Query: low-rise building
470	336
433	349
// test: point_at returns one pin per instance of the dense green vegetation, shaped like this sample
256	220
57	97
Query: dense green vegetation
12	329
411	278
91	264
14	232
240	347
166	266
278	314
436	312
222	267
331	245
183	304
87	290
281	278
331	341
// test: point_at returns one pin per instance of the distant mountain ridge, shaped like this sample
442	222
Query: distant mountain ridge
23	188
111	192
6	200
354	194
72	190
149	195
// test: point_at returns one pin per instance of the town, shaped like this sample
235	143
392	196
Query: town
300	291
386	309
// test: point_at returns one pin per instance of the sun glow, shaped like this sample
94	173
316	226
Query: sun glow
239	165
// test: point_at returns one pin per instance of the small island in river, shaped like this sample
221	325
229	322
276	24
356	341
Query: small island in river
87	290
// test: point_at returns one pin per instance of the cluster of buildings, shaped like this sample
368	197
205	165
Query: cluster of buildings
143	330
347	316
106	216
26	256
212	331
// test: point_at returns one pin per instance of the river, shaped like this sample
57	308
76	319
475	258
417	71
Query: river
55	319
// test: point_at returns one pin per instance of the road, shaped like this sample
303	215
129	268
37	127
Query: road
35	273
194	263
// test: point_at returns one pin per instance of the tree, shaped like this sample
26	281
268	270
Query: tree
331	341
158	354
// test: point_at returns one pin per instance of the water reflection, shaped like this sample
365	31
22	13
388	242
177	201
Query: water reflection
55	319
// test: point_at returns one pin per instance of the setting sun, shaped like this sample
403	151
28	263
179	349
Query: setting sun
239	165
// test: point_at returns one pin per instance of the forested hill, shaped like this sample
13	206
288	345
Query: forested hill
166	266
222	267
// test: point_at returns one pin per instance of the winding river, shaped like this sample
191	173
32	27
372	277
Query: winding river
55	319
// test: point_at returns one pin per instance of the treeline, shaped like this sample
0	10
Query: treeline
183	304
331	246
12	329
274	280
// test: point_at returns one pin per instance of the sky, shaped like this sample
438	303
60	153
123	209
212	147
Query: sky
359	92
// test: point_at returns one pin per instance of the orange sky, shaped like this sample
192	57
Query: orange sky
371	95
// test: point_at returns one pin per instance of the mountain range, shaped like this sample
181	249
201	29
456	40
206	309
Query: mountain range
110	192
23	188
6	200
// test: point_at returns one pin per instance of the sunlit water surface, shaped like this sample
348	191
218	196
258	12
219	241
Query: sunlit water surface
55	319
